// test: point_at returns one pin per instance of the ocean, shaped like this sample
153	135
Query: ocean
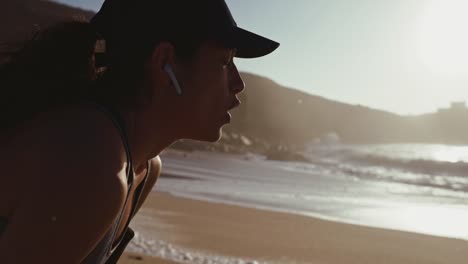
421	188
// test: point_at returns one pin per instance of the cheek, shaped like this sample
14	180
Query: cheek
211	91
206	94
217	93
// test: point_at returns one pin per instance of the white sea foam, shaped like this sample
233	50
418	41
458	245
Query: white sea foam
164	250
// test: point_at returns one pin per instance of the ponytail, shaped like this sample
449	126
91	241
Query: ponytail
56	67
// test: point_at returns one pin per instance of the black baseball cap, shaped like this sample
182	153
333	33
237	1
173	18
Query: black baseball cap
135	20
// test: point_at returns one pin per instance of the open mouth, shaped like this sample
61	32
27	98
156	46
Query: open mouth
235	104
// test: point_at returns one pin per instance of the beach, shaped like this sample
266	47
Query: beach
131	258
246	234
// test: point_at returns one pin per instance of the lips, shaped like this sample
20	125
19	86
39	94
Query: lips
227	115
235	104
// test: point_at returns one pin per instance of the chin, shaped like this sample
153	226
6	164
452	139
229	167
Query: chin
215	137
210	136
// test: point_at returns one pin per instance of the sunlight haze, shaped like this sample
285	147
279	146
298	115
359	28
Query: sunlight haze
403	56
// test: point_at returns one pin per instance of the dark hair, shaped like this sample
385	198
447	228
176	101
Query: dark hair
57	67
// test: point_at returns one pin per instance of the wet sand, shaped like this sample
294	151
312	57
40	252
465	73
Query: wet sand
284	238
133	258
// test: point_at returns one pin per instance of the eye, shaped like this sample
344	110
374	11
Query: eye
229	58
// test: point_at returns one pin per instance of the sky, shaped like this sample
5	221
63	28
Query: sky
402	56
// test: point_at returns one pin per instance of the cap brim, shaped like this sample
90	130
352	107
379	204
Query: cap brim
251	45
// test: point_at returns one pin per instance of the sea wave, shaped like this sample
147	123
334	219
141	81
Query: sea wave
367	163
165	250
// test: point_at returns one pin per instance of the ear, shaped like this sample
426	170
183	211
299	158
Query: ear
162	54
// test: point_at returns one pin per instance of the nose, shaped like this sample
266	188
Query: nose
236	83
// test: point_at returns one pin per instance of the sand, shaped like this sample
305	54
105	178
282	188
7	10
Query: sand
285	238
132	258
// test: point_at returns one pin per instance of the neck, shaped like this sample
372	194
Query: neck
147	136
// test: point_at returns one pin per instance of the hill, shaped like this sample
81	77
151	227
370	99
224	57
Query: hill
21	18
283	114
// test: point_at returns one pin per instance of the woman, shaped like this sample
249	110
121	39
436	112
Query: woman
87	108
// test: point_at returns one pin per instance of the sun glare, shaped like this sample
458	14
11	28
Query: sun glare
450	154
443	36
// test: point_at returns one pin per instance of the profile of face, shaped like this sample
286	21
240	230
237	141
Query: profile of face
210	83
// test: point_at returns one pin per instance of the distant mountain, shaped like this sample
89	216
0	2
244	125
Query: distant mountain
20	18
278	112
282	114
272	115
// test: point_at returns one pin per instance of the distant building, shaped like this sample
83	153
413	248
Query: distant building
458	105
454	107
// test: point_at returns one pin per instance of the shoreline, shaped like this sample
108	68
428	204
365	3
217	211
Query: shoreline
362	202
317	216
276	237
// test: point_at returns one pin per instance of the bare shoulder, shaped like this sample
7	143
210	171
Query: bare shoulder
155	166
67	148
155	171
81	135
78	144
84	153
75	191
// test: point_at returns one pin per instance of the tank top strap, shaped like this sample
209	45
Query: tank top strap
119	123
103	250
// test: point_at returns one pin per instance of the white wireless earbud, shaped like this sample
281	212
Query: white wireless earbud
171	74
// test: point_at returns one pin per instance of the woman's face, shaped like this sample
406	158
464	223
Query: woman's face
210	83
